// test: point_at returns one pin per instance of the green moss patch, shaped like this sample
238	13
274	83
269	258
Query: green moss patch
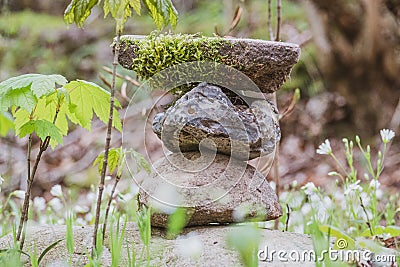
157	52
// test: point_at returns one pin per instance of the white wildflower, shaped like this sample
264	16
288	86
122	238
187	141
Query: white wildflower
108	190
241	211
309	188
56	191
299	229
80	209
91	197
126	197
306	209
365	198
351	188
325	148
387	135
19	194
191	245
351	229
56	204
333	173
328	203
374	184
80	222
379	194
89	217
39	203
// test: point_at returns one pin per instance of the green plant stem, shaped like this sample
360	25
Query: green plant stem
107	144
25	209
366	216
339	164
117	178
368	159
379	168
28	162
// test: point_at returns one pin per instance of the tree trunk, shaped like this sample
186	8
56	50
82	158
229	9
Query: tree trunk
359	56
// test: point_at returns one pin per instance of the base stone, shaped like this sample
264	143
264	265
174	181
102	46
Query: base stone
209	243
213	188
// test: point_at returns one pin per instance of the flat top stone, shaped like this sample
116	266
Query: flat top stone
266	63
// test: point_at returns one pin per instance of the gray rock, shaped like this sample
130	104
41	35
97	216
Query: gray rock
266	63
196	246
206	116
212	187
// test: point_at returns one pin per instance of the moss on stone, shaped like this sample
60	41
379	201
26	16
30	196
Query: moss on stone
157	52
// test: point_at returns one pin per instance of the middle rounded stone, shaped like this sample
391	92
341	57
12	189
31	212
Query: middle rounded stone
206	118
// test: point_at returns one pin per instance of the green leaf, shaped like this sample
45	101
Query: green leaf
339	235
39	84
46	110
6	123
115	156
141	162
135	4
88	98
78	11
42	129
46	250
245	239
121	10
144	225
21	117
21	97
24	90
178	220
162	12
379	230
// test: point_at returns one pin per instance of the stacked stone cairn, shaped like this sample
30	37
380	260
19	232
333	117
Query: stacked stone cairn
213	129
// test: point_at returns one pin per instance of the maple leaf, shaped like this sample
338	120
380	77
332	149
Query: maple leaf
88	98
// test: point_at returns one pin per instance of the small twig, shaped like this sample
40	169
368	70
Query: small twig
287	217
25	208
271	34
126	77
290	108
123	91
278	26
117	178
277	179
366	215
104	80
107	145
235	21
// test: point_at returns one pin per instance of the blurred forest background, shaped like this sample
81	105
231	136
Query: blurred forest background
348	74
